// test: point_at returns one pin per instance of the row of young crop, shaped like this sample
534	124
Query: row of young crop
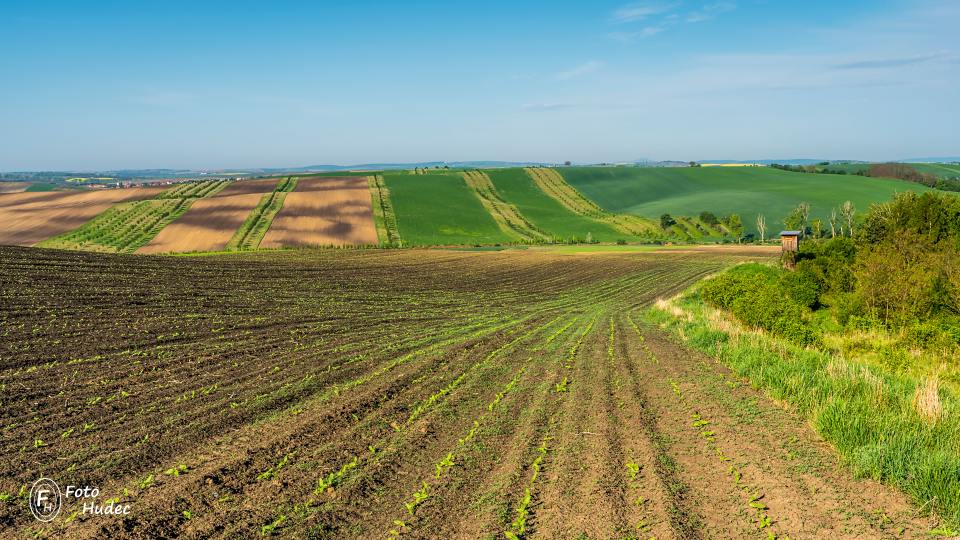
194	190
155	479
271	356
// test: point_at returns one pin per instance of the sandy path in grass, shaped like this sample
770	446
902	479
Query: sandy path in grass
324	211
28	218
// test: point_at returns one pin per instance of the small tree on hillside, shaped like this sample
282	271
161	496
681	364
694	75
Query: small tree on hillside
833	223
817	226
735	224
804	209
849	212
798	218
667	221
762	227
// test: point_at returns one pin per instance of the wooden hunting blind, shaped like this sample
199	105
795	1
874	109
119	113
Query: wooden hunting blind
789	241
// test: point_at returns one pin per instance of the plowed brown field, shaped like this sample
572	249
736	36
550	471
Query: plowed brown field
324	212
400	393
210	223
28	218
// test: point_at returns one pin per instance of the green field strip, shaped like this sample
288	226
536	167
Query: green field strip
747	191
547	214
507	216
258	222
553	184
440	209
383	215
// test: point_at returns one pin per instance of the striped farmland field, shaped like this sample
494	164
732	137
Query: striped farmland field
253	229
126	227
508	218
553	184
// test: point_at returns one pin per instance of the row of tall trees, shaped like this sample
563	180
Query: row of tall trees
842	221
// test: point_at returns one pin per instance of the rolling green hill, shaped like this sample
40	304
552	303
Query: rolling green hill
746	191
439	209
517	188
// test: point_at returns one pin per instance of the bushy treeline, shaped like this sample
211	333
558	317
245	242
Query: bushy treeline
901	171
899	272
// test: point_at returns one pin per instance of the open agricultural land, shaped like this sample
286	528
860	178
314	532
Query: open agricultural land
28	218
324	211
399	393
746	191
441	207
211	222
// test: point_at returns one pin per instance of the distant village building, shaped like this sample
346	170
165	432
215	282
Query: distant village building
790	241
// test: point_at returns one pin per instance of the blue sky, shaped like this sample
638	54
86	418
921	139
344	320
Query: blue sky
98	85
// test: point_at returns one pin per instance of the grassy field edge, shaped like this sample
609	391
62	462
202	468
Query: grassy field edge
872	418
383	215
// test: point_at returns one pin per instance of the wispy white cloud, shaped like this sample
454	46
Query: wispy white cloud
641	10
579	71
652	30
631	37
710	11
660	16
882	63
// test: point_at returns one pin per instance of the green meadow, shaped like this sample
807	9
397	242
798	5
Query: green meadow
439	209
517	188
748	191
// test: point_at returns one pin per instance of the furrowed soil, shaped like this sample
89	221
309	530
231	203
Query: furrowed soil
397	393
210	223
28	218
324	212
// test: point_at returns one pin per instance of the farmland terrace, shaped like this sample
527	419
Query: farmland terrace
413	393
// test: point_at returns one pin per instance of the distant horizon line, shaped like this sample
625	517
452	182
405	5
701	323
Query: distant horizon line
413	164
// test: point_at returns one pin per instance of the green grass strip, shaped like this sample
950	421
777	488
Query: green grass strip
383	215
877	420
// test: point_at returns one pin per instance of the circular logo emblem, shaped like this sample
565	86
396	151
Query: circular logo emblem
45	499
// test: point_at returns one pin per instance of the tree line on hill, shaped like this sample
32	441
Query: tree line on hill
900	171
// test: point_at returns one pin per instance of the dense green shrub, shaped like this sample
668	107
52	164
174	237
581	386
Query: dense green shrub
756	295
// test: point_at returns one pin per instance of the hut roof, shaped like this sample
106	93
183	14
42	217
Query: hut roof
790	233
